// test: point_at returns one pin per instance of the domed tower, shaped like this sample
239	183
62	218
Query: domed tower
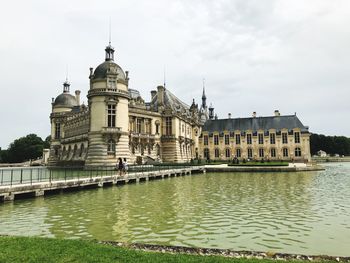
108	100
63	103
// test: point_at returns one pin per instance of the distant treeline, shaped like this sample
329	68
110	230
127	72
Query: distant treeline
25	148
31	147
330	144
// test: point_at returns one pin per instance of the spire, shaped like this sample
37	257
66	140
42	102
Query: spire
204	98
109	49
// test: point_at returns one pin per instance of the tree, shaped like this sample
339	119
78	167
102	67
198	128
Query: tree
330	144
25	148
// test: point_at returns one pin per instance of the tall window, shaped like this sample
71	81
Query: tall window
272	138
111	116
261	138
111	147
217	153
205	139
297	152
238	139
157	128
273	152
249	139
261	153
228	153
285	152
138	125
227	139
168	126
216	139
206	153
57	130
238	153
250	153
284	137
297	137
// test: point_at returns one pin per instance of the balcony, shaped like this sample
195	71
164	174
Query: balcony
111	130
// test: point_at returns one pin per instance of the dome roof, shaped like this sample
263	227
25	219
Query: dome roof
66	100
107	66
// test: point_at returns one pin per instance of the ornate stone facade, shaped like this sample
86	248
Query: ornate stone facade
118	123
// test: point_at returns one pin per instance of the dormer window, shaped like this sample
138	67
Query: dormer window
112	84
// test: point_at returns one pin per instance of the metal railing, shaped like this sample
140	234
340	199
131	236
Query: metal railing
30	175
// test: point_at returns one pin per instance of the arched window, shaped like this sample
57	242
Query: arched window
297	152
217	153
81	150
69	152
75	150
228	153
111	147
285	152
206	153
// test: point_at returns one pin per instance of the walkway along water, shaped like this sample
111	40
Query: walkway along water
19	183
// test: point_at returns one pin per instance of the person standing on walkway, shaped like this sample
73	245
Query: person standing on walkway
120	166
125	166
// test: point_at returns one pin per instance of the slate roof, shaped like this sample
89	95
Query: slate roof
173	102
258	123
66	100
101	71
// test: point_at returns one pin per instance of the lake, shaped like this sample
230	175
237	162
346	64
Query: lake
303	212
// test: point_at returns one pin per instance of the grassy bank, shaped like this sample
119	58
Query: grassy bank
32	249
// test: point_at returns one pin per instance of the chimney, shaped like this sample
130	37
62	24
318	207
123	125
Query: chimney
77	96
277	113
153	93
254	114
229	115
91	72
161	90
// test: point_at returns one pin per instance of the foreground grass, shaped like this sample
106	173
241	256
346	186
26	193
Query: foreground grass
33	249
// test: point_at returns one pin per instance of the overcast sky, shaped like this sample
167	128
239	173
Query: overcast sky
255	55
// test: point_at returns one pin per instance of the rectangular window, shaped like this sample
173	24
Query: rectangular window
227	139
111	116
216	140
168	126
238	139
138	126
261	153
284	137
157	128
57	130
297	137
238	153
216	153
250	153
261	138
273	152
205	139
272	138
249	139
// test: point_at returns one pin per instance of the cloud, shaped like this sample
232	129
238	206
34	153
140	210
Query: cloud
255	56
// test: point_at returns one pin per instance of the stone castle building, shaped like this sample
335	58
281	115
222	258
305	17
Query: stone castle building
117	122
269	138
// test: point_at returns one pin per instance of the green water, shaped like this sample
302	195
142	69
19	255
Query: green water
305	213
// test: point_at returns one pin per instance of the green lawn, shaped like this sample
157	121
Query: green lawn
34	249
261	164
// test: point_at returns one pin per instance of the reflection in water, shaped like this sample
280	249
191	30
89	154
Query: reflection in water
290	212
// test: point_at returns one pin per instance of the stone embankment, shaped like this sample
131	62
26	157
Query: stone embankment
292	167
331	159
227	252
